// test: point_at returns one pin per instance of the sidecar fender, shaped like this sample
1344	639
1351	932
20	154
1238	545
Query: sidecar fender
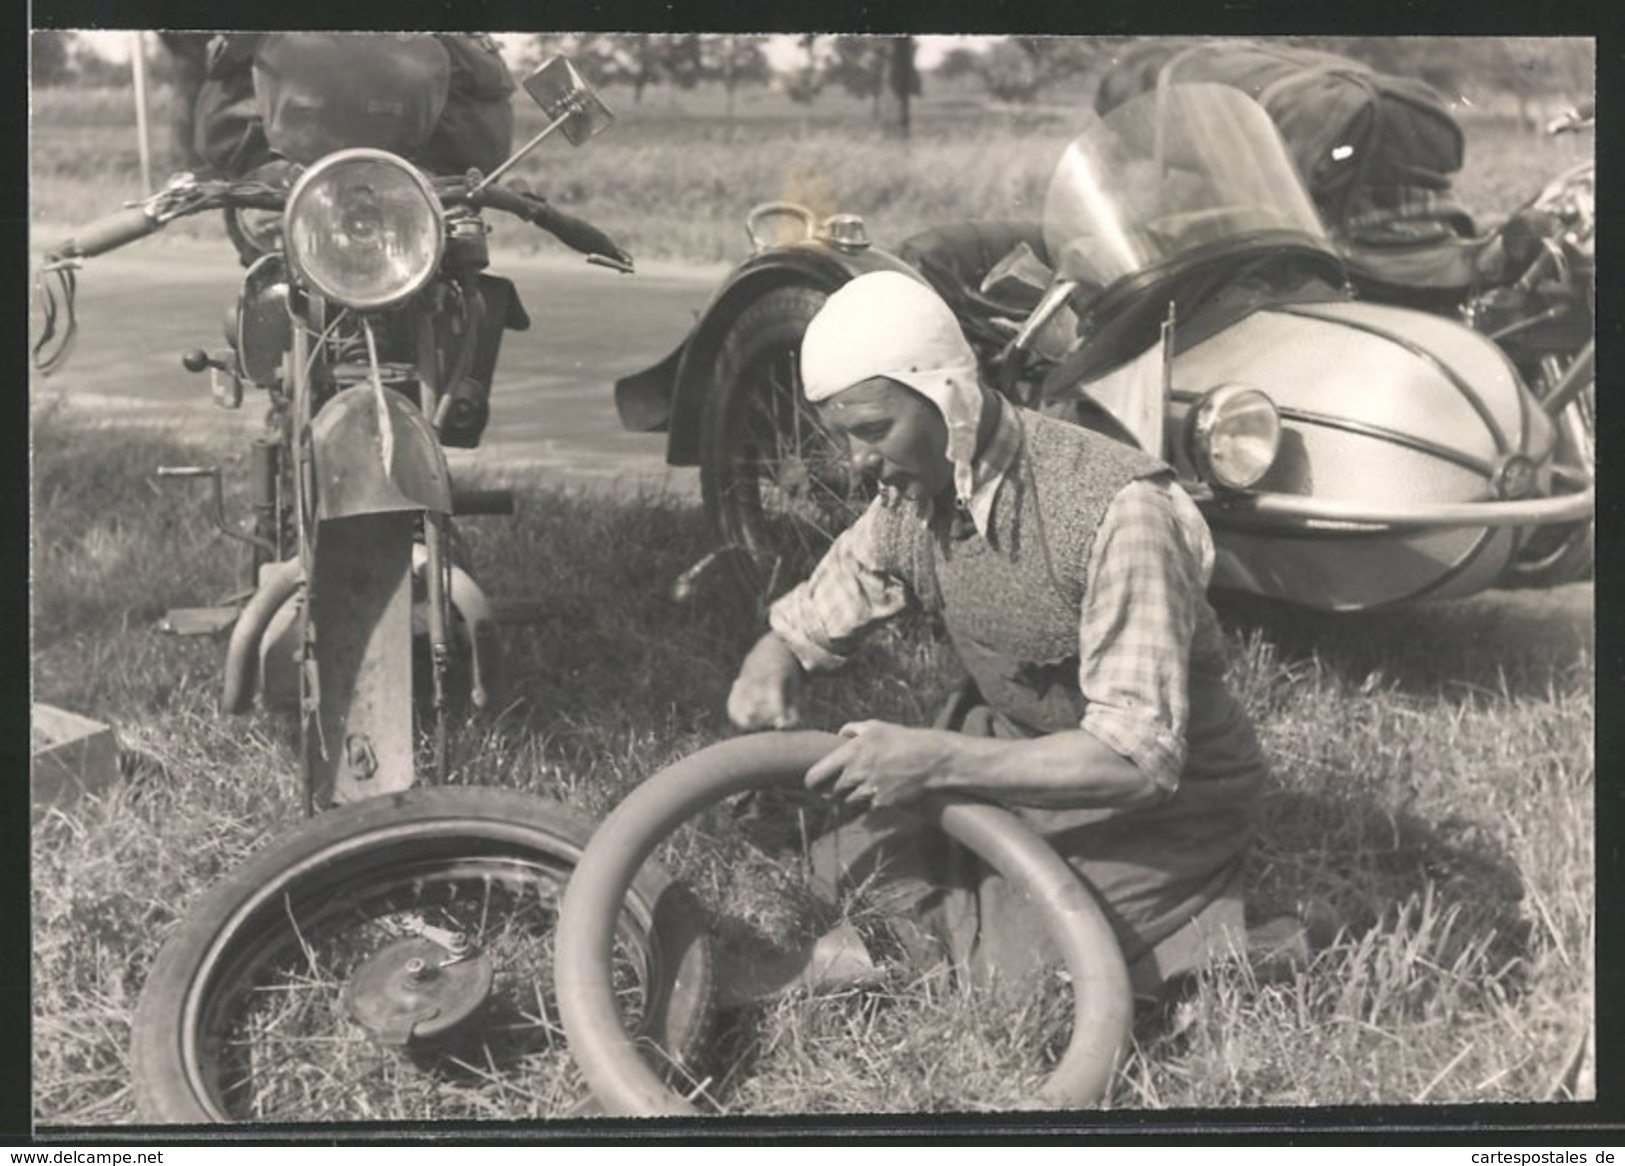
667	397
374	461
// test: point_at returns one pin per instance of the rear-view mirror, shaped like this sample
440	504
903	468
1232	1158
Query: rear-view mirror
563	93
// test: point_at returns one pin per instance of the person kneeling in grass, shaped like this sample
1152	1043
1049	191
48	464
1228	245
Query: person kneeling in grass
1070	572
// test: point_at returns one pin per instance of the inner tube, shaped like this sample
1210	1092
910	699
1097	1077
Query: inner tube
624	1084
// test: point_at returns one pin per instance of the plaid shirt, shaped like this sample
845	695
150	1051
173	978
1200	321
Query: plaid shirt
1150	565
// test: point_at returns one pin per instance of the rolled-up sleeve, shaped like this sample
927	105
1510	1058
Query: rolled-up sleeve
850	592
1149	568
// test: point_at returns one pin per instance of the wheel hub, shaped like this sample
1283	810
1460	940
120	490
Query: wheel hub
794	475
416	989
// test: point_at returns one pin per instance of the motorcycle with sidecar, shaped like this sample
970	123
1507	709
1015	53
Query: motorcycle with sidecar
1180	292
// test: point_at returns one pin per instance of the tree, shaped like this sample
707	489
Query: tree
95	71
733	61
641	61
542	46
876	67
858	64
607	59
803	82
50	57
904	78
1009	73
958	62
1020	67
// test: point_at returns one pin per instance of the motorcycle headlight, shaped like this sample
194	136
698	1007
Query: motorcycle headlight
363	228
1235	433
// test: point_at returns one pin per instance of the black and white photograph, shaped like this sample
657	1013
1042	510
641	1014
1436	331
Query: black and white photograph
808	576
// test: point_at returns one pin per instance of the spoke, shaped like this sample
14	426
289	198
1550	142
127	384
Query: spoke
793	388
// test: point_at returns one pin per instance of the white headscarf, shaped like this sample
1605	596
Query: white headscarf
887	324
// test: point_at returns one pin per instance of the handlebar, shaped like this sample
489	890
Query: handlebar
188	196
183	196
577	234
108	232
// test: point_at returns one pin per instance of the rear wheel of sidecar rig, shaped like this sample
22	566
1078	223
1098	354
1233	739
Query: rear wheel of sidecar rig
776	484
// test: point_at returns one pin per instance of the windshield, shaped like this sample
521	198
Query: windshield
1177	168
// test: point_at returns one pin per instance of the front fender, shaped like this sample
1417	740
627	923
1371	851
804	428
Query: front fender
372	461
668	396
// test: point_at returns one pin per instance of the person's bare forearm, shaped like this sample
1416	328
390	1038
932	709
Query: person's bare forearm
1069	770
885	764
767	692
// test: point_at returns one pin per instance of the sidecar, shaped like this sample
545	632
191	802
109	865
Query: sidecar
1347	454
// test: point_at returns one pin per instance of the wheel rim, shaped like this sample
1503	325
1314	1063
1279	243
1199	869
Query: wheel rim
788	490
270	1033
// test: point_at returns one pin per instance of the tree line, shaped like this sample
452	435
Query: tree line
884	70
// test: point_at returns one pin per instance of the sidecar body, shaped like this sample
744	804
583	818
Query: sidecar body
1412	462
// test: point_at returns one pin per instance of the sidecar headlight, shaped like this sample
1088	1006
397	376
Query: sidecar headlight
1235	433
363	228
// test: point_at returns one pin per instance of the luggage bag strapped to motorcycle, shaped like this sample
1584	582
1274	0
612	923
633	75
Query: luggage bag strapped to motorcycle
1376	151
439	100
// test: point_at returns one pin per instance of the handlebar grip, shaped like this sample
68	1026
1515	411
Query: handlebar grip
576	233
108	232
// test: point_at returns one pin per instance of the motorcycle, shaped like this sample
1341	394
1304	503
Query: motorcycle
1180	293
1529	284
1542	311
388	957
368	319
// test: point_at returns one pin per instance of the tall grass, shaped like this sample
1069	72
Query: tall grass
1432	790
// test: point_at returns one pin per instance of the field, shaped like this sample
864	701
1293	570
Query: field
1433	768
673	178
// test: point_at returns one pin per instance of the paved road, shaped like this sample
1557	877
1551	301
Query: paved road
553	406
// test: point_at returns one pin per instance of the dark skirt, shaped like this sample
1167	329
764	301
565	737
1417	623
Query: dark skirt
1168	877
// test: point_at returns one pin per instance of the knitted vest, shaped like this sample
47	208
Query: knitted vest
1011	598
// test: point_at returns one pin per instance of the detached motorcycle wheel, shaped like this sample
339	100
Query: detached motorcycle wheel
623	1081
392	960
776	483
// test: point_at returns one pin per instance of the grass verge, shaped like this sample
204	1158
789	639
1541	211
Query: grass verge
1433	783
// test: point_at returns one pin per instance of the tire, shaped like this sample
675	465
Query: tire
623	1081
775	482
280	996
